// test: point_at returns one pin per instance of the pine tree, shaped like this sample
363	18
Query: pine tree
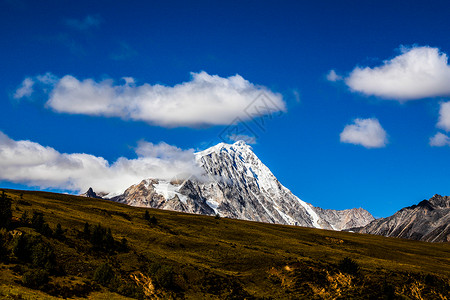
5	211
123	245
104	274
87	231
59	233
37	221
108	241
97	236
147	216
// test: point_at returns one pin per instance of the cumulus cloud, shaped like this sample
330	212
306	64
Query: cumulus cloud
25	89
204	100
439	140
83	24
30	163
243	137
365	132
418	72
444	116
333	76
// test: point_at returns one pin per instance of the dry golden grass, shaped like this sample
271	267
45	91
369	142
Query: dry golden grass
214	258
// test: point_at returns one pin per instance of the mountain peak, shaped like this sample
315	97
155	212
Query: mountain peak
239	146
91	194
239	186
440	201
240	143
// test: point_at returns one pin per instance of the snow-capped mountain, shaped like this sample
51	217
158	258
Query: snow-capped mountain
236	184
427	221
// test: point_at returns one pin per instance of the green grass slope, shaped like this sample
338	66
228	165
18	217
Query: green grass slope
177	255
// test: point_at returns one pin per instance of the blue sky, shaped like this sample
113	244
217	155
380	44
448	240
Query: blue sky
233	52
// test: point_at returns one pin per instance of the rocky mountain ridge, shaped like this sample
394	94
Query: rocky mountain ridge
428	221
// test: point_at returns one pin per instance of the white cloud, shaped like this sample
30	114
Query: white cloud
47	79
243	137
444	116
418	72
204	100
439	140
88	22
365	132
31	84
332	76
25	89
30	163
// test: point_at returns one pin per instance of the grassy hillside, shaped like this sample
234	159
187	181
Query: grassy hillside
177	255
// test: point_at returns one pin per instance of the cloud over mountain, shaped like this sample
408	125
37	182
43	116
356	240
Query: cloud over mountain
418	72
205	100
365	132
30	163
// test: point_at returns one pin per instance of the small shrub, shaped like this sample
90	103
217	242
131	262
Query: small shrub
3	249
35	279
24	218
37	220
153	220
43	256
388	291
23	202
131	290
349	266
162	275
123	246
34	250
104	274
275	279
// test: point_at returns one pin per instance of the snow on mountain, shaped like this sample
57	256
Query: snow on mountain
236	184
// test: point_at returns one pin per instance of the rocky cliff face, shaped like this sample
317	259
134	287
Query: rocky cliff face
238	185
347	218
427	221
